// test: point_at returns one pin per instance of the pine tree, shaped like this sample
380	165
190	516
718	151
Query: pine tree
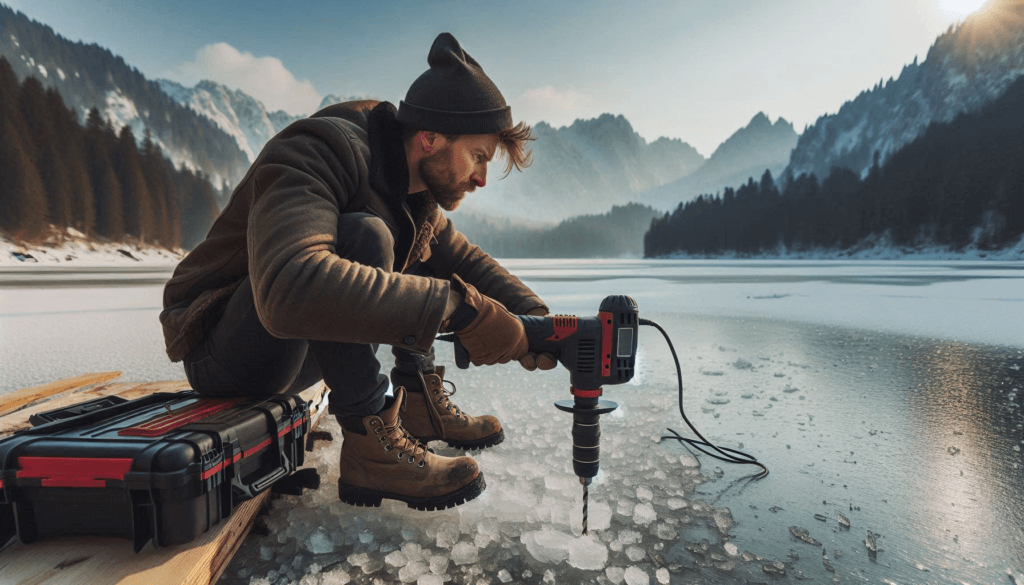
71	143
23	210
138	203
105	186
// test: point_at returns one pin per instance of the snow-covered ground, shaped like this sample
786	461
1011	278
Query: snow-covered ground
71	248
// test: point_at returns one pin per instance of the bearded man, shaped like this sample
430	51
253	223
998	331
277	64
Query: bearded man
333	243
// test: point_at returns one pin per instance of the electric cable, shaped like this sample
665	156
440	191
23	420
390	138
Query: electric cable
736	456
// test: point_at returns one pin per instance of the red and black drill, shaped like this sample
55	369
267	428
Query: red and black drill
597	351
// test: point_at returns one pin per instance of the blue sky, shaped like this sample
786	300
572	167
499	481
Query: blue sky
691	70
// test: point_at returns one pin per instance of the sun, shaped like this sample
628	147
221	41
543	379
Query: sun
959	9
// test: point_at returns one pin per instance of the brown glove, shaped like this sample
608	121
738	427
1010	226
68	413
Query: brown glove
532	361
493	336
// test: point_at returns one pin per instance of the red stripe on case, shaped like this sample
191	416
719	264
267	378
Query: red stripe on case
73	471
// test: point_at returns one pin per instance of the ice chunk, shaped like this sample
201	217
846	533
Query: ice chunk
723	520
358	559
775	568
439	564
447	535
546	545
464	553
665	532
663	576
644	514
319	542
636	576
870	542
629	537
676	503
599	517
688	460
335	577
644	493
396	559
430	579
635	553
266	553
412	551
803	535
843	521
615	574
412	571
549	577
504	576
731	549
588	553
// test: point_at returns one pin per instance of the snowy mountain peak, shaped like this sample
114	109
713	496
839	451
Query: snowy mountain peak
240	115
968	66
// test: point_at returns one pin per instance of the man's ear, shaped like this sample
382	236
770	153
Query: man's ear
429	141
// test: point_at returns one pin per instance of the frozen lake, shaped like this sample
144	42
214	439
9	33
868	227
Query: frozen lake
888	392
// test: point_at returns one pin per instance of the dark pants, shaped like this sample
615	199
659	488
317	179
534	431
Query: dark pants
239	357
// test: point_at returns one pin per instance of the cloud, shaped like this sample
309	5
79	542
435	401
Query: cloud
264	78
553	106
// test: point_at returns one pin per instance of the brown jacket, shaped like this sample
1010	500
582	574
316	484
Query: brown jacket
280	229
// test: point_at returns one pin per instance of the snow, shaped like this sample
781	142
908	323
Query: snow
71	248
42	70
60	73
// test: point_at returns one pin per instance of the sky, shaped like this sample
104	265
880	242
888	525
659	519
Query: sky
692	70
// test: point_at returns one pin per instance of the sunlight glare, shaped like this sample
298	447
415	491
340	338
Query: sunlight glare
959	9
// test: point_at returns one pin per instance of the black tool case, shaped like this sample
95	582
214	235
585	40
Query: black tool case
165	467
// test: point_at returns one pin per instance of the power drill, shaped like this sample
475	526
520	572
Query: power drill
597	351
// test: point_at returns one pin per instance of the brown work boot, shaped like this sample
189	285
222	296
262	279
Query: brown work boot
431	415
385	461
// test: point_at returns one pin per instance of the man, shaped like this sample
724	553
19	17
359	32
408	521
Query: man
334	243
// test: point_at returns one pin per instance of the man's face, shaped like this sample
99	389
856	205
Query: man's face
457	167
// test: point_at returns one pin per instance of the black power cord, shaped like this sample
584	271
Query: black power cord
725	454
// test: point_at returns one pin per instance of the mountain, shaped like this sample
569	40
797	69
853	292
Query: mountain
578	169
242	116
967	67
751	150
89	76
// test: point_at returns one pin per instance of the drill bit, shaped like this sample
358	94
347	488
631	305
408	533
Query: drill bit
586	496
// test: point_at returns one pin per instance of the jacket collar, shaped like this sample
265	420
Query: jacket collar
389	170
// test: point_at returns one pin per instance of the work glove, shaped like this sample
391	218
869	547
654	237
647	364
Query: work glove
490	334
532	361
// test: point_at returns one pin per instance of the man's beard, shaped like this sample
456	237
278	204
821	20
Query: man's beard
439	177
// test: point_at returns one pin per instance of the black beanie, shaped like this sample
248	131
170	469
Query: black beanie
454	96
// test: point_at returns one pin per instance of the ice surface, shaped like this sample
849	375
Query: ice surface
588	553
636	576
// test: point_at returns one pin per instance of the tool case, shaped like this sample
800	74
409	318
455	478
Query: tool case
166	467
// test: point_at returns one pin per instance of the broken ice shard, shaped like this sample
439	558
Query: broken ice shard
870	543
803	535
844	521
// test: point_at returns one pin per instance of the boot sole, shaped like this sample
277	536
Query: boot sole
357	496
478	443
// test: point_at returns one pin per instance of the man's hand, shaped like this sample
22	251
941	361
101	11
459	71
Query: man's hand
490	334
532	361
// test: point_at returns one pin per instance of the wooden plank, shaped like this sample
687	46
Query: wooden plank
19	420
94	561
17	400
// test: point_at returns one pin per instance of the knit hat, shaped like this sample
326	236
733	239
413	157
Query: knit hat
454	96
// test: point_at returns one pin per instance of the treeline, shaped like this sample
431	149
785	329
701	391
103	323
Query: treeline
960	183
609	235
55	171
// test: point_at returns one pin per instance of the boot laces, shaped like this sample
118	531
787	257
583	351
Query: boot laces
446	398
405	443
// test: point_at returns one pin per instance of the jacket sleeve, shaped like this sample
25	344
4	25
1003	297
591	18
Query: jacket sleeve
302	288
454	254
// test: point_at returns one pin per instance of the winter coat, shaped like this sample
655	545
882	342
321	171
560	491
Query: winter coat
280	229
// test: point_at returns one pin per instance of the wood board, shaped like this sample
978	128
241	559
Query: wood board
96	561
